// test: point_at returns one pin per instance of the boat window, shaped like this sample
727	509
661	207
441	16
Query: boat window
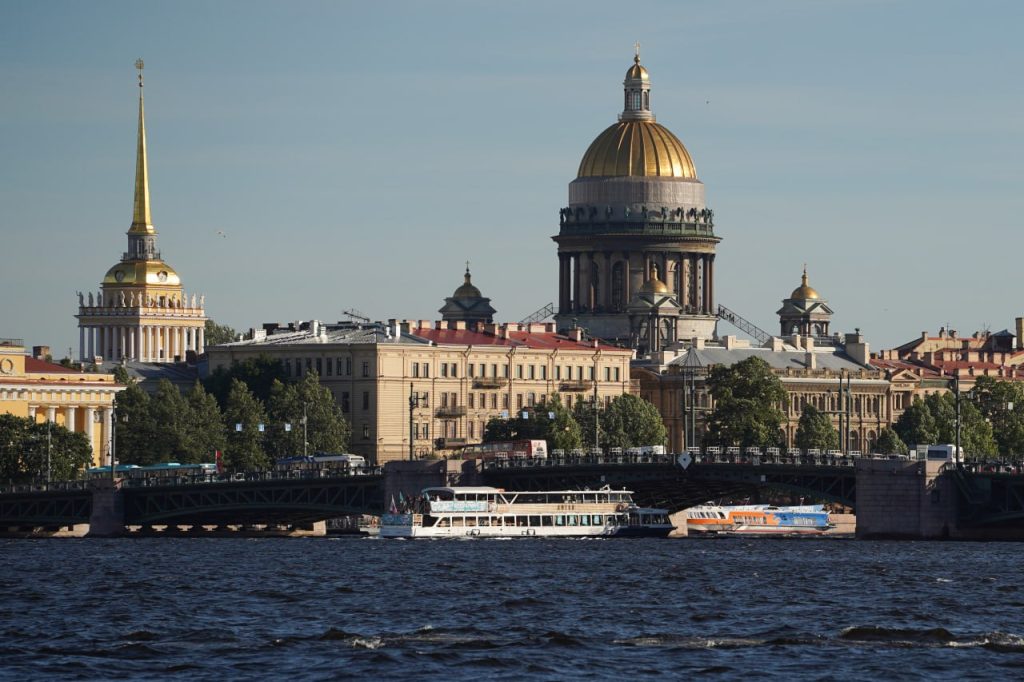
585	520
470	520
443	523
574	520
560	520
458	521
534	520
485	520
547	520
597	520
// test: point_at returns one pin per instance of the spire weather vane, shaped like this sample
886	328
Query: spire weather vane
139	64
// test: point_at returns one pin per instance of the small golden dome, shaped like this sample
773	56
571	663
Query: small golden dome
467	290
637	148
637	71
142	272
804	291
654	285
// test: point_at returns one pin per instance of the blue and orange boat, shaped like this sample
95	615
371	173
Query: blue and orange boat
758	519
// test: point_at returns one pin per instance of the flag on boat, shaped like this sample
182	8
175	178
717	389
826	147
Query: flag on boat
393	509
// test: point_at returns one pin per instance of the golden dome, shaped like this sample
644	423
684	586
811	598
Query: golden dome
654	285
142	272
804	291
467	290
637	148
637	71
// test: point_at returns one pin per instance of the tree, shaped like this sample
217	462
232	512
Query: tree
243	415
326	427
216	334
24	445
258	374
815	430
584	414
136	430
121	375
563	432
1001	403
204	427
630	421
916	426
747	409
889	443
168	411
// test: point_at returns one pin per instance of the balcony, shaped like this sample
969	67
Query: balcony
453	411
575	386
489	382
443	443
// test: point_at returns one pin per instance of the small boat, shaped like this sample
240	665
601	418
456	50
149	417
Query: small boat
450	512
758	519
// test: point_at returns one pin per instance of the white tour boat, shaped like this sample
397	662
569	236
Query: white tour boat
492	512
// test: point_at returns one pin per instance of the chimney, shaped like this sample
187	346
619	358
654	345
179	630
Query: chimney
809	343
40	352
730	341
776	344
1020	332
810	361
575	334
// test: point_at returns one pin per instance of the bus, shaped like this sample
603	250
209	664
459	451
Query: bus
322	463
508	449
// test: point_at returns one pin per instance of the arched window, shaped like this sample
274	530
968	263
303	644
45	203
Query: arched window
647	100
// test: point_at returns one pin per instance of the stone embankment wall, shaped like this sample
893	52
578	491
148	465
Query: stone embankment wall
897	499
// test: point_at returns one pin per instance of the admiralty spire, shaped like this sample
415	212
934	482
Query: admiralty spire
141	311
637	218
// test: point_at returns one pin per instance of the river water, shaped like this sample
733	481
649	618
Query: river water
329	608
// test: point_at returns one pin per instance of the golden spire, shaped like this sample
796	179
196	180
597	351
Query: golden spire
142	222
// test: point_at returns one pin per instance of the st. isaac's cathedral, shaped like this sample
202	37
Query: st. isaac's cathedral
636	244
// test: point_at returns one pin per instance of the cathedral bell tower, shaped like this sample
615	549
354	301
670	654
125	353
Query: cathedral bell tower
141	311
636	209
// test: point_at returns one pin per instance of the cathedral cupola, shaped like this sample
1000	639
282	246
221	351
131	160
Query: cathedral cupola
805	312
467	304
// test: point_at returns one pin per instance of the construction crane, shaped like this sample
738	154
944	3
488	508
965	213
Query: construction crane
539	315
357	316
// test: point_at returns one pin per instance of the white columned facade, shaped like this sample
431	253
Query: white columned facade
148	351
179	341
81	344
32	412
90	416
202	338
69	418
51	415
92	342
122	338
108	414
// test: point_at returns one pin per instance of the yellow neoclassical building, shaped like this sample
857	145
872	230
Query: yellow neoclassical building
141	311
80	401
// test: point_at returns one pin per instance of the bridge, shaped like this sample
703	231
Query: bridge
893	497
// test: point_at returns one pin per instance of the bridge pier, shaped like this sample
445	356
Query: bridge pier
410	478
897	499
107	518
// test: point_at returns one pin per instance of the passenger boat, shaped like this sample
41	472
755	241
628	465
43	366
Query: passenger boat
450	512
758	519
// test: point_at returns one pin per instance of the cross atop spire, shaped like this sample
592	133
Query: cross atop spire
636	55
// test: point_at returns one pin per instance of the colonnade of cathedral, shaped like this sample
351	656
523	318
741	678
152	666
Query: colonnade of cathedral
605	281
146	342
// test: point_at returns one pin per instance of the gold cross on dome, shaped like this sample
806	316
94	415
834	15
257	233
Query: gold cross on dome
636	47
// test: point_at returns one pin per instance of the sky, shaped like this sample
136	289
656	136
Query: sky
309	158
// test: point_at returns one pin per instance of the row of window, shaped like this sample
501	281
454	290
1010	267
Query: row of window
545	520
322	366
494	370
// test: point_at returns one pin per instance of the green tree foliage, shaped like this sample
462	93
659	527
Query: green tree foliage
23	450
217	334
243	450
258	374
630	421
584	414
815	430
136	429
327	428
204	428
168	411
1002	404
121	375
747	409
889	443
561	433
916	426
933	420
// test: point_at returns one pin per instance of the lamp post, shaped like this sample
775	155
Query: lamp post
48	444
305	430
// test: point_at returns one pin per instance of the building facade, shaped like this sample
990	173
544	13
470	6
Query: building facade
141	311
34	388
636	205
425	389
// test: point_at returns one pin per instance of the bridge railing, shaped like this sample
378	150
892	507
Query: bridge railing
42	487
578	460
751	456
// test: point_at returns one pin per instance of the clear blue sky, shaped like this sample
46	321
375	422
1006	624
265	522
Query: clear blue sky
357	153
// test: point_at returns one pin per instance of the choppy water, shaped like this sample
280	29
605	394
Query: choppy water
540	609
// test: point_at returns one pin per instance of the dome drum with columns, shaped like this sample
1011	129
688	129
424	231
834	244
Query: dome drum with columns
635	205
141	312
805	312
